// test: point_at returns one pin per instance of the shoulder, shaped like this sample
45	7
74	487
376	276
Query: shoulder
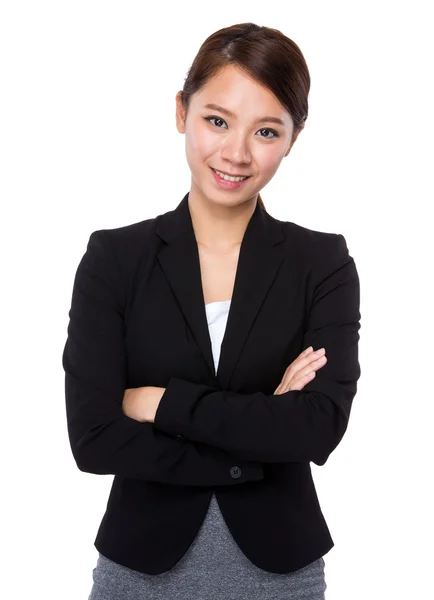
128	243
323	255
128	238
118	253
312	243
318	253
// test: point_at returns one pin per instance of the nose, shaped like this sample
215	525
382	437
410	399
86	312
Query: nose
236	150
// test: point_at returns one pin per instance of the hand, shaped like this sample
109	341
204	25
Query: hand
302	370
141	403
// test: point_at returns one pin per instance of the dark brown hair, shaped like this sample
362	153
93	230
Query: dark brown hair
266	55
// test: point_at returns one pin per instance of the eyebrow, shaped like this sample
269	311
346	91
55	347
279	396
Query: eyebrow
231	114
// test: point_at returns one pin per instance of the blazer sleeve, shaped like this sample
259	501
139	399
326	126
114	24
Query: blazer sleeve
103	439
296	426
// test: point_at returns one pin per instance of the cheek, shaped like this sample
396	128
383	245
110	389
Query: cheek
200	143
269	161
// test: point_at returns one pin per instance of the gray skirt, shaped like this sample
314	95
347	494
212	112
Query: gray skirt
213	568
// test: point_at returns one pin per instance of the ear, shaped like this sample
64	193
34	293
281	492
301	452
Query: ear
180	113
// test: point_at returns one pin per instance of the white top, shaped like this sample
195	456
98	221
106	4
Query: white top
217	316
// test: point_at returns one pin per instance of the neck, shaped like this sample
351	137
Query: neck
219	227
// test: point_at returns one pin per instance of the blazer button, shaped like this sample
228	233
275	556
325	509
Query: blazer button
235	472
180	437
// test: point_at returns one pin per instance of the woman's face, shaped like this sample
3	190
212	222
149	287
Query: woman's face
245	142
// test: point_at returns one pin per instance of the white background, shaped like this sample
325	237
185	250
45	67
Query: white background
88	141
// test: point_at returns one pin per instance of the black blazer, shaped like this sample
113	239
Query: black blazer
138	318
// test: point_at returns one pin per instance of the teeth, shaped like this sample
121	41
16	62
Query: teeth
228	178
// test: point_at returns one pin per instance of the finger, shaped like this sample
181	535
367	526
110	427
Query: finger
303	360
298	383
302	372
307	361
312	356
307	358
310	370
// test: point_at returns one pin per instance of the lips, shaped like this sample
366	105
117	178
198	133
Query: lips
229	174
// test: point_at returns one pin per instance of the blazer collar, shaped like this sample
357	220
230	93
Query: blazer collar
261	254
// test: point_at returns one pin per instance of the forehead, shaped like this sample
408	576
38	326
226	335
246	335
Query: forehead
236	90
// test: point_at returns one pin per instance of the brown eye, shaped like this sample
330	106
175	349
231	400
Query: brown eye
275	134
216	118
219	119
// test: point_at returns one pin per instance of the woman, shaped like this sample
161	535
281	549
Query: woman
195	360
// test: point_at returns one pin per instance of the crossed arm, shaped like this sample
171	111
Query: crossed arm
221	428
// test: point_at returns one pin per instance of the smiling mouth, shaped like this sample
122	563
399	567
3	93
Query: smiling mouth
229	174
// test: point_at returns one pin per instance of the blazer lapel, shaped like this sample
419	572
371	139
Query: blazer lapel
261	254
